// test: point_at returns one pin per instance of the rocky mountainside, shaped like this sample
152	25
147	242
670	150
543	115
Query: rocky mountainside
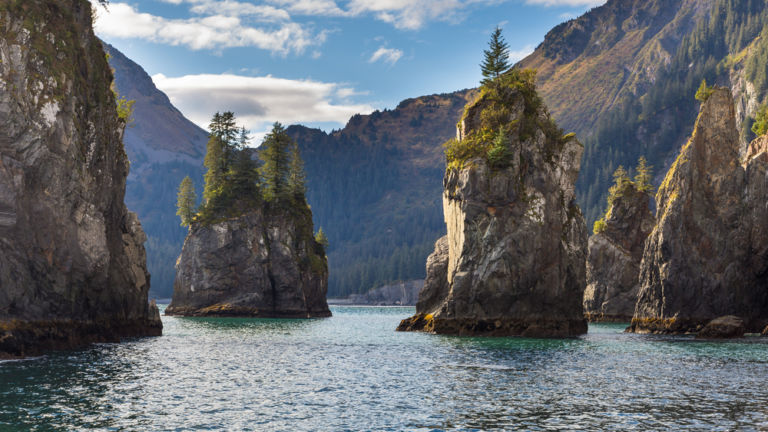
615	252
513	261
622	77
73	265
264	263
374	187
707	256
163	147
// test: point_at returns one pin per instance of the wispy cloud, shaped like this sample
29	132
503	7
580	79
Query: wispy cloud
516	56
260	101
387	55
209	32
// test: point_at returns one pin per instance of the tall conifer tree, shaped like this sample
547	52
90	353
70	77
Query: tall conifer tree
496	57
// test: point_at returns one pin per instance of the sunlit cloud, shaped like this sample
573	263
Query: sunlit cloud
387	55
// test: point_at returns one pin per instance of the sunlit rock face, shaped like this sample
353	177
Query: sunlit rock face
513	261
73	265
707	256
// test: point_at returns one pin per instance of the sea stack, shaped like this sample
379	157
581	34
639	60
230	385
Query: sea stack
73	265
251	250
707	256
615	252
513	261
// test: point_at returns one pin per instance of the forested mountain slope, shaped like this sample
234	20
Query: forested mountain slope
163	147
623	77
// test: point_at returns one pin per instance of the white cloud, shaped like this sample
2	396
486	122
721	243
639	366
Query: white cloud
387	55
566	2
516	56
260	101
210	32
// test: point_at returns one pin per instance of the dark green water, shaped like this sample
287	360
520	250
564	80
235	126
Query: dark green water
353	372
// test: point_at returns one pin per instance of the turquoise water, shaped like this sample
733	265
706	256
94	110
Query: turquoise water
354	372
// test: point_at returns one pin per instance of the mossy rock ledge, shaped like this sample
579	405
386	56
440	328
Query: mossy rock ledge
707	256
72	259
263	263
514	260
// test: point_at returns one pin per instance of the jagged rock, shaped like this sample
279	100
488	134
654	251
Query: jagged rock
264	263
723	328
513	261
73	265
707	256
614	258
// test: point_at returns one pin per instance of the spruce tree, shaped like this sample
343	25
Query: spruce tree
496	57
275	154
760	126
186	200
214	177
321	238
643	176
297	178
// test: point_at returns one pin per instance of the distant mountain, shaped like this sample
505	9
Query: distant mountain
375	188
163	147
623	77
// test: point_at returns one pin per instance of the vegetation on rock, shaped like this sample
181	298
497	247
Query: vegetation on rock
622	184
234	183
496	58
760	126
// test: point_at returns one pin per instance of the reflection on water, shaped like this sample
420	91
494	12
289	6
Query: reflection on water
354	372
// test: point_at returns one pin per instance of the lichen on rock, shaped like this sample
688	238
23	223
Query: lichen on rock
513	261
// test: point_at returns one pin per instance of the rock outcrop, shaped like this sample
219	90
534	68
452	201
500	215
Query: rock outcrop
73	265
264	263
513	261
707	256
722	328
614	258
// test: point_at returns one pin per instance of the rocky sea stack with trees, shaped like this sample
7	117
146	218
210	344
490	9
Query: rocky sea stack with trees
513	261
616	248
707	256
73	265
251	248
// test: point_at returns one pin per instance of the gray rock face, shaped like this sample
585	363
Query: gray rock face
614	259
73	265
262	264
513	261
723	328
707	256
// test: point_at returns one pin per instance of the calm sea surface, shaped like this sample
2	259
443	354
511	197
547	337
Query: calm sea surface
354	372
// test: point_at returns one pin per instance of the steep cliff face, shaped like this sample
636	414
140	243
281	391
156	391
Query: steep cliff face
264	263
513	261
707	256
614	258
73	265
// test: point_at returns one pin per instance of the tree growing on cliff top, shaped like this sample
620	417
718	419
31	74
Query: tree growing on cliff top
704	91
643	176
186	201
276	155
496	57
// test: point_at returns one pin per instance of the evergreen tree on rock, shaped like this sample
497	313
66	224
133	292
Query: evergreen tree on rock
496	57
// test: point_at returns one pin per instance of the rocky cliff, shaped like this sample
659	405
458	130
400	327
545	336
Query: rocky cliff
513	261
73	265
264	263
614	258
707	256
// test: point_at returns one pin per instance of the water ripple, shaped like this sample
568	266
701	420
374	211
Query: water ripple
353	372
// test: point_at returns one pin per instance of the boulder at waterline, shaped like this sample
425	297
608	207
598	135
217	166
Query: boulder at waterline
723	328
513	261
615	252
707	256
73	265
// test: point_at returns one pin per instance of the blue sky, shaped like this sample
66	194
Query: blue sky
317	62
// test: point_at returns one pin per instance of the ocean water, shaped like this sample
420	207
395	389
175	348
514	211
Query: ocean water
353	372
